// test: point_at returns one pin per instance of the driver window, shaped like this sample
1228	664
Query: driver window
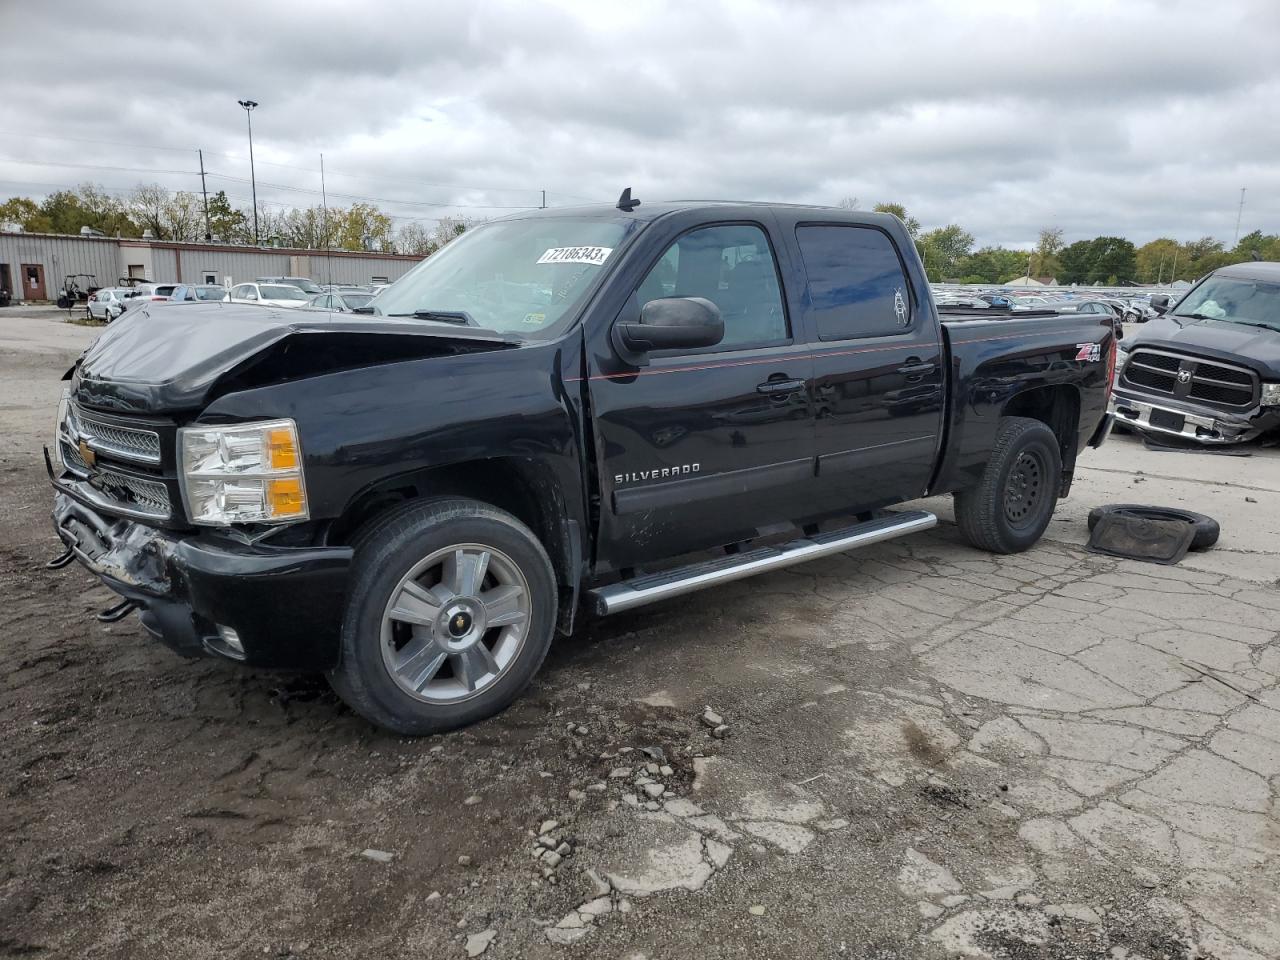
733	267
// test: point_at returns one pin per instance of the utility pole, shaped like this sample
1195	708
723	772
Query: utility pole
1173	276
1239	215
324	201
253	180
208	233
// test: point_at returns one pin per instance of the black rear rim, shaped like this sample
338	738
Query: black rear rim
1026	489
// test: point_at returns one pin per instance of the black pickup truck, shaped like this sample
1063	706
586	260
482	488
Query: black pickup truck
601	407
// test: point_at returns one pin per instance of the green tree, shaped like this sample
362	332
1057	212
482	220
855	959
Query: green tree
1043	261
226	223
944	250
362	226
1077	262
899	211
26	213
993	265
1155	261
1113	259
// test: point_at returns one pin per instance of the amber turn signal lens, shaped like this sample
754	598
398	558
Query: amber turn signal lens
285	498
283	449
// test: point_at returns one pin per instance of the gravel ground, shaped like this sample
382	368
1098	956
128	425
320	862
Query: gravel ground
927	751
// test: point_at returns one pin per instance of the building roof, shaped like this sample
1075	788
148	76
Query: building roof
212	247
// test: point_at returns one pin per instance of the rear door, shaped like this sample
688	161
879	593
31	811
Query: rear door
706	447
878	367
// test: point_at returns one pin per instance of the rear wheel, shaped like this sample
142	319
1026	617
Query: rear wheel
1008	510
451	613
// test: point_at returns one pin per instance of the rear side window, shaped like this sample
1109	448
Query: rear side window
856	284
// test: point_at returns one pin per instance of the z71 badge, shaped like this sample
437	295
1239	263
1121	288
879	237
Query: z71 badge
1092	352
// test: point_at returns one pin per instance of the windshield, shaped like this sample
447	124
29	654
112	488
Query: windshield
1233	300
280	292
210	293
513	276
354	300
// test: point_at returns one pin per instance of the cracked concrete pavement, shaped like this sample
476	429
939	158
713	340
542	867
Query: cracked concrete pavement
930	752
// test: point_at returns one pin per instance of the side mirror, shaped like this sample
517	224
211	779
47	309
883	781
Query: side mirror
1160	303
669	323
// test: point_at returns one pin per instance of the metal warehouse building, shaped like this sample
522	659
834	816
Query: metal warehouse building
33	265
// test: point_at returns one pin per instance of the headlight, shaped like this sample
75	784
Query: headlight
243	473
1121	356
1271	394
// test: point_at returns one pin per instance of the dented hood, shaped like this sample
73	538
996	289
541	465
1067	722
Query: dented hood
168	357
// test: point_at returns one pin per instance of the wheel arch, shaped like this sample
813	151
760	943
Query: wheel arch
522	486
1058	407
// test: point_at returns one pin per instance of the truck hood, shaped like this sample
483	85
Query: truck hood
1252	347
172	357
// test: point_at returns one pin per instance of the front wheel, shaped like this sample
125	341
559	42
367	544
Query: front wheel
1008	510
451	613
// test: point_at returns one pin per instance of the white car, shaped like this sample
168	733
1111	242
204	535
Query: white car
268	294
109	302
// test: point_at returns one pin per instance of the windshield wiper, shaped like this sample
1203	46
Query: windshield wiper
1195	316
1248	323
460	317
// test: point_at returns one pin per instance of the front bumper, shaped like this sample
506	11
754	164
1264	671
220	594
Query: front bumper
284	604
1197	423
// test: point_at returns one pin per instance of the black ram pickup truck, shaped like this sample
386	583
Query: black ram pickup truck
600	407
1207	370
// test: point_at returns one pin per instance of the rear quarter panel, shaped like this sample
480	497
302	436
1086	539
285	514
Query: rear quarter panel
992	361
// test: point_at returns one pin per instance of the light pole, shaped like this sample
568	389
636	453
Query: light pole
253	180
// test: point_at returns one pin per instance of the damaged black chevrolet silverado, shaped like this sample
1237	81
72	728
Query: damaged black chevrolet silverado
599	406
1208	370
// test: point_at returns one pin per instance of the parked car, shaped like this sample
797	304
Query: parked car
340	302
149	293
109	302
268	294
560	409
309	287
191	292
1208	369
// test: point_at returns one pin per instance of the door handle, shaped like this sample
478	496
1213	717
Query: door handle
914	368
780	388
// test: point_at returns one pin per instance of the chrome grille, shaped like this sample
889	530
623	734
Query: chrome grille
1186	377
129	443
145	496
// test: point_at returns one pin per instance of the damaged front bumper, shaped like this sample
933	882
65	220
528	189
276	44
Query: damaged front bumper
263	605
1191	422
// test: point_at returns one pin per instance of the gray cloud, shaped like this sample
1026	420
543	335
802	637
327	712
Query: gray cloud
1141	119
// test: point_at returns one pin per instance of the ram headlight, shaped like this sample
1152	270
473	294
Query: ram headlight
1271	394
243	473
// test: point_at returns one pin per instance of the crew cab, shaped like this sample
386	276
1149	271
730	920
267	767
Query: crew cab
599	407
1207	370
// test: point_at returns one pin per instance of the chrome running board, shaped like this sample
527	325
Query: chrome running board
650	588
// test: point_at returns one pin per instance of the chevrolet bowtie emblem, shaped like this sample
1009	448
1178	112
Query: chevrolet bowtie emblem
87	455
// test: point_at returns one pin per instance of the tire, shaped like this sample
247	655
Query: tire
1207	529
478	671
1008	510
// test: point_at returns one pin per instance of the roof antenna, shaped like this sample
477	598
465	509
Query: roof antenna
625	202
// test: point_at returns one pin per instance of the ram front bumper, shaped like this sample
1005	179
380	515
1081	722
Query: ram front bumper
1191	422
262	605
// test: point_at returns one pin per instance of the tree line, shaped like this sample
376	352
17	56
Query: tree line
949	255
181	216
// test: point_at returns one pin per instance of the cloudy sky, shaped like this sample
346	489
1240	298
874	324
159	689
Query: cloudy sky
1134	118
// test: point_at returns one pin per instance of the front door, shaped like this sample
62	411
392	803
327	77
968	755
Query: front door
706	447
878	369
33	282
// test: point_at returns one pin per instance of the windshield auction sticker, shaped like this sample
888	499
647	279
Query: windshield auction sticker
592	255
